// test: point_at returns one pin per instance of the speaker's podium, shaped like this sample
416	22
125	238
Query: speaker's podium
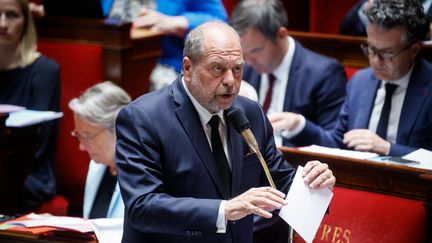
17	158
372	202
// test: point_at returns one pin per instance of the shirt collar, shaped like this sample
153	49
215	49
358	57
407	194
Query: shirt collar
203	113
402	82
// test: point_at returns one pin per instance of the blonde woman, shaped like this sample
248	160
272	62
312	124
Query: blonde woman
29	79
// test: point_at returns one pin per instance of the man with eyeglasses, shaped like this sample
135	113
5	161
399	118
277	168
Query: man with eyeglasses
388	109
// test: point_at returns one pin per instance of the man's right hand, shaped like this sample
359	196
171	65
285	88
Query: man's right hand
259	201
284	121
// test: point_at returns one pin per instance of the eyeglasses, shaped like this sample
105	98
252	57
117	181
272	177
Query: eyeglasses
87	138
386	56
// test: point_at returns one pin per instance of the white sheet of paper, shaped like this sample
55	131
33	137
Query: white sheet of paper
24	118
108	230
306	207
339	152
420	155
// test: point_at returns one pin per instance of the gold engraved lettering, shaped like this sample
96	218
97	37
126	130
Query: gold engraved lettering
336	234
325	232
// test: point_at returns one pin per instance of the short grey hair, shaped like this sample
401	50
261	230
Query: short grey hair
194	45
100	104
408	14
266	16
194	42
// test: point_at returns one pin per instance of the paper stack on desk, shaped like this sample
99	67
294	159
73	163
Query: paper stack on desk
25	117
107	230
339	152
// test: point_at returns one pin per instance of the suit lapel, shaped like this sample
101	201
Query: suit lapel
236	153
190	121
367	101
417	91
293	77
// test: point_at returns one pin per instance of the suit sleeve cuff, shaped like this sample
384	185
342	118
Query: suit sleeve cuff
221	222
289	134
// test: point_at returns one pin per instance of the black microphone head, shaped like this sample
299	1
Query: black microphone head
237	119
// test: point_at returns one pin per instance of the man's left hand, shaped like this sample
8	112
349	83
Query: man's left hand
365	140
318	175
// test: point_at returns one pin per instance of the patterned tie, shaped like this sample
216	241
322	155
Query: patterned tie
269	94
385	113
220	157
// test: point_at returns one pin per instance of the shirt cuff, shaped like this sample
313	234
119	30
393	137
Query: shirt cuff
300	126
221	222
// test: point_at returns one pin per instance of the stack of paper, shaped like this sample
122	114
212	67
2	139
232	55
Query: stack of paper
24	117
339	152
107	230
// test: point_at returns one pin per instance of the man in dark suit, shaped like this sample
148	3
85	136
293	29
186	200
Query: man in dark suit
184	172
355	20
287	76
388	109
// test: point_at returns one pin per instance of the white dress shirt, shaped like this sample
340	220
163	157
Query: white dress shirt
281	74
396	106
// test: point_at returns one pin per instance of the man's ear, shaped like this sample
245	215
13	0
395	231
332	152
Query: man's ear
416	47
282	33
187	69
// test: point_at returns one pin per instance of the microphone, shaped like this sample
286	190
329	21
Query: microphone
238	119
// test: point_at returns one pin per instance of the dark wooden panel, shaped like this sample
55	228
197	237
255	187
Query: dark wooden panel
346	49
17	159
128	57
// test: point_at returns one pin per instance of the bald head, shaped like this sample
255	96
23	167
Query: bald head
207	35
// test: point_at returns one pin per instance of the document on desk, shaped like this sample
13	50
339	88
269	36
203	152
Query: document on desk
423	156
24	117
306	207
108	230
338	152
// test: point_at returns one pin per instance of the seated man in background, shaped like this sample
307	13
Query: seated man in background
287	76
95	112
388	109
174	19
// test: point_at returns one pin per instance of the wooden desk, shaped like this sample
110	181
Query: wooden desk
346	49
17	158
128	56
397	180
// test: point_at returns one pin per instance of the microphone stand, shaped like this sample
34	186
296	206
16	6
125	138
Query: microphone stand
242	125
253	146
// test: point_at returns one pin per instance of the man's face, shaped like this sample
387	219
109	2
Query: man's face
389	43
263	54
215	80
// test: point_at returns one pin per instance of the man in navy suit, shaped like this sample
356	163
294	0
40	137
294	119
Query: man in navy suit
388	109
170	147
304	82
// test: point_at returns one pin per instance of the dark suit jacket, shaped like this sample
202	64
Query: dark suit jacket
168	177
316	87
415	124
